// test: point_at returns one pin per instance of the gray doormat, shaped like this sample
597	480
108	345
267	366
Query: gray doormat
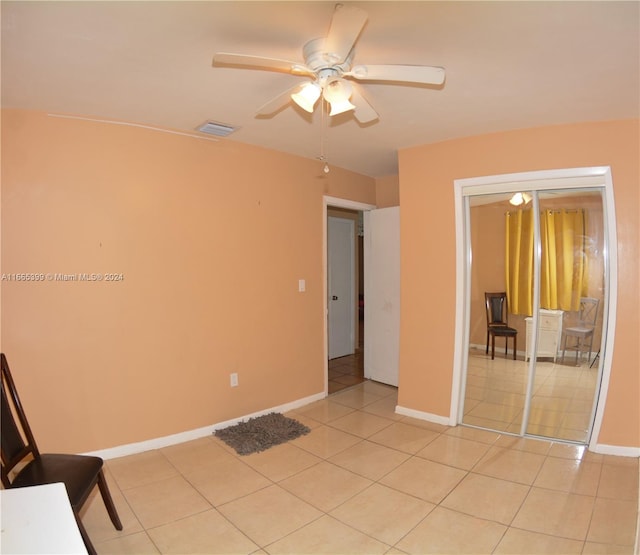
260	433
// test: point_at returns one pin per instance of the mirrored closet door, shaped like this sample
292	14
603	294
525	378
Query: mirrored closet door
536	309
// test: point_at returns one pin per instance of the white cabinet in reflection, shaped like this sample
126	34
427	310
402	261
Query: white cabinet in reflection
549	334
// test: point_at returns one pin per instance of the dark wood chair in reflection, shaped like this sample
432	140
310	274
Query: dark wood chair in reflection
497	308
79	473
581	334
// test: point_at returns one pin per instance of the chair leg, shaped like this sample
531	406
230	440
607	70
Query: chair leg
487	351
493	346
85	537
108	501
515	343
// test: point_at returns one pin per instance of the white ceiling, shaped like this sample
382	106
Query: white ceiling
509	65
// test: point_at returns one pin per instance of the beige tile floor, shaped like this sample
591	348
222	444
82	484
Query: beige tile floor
366	480
562	395
345	372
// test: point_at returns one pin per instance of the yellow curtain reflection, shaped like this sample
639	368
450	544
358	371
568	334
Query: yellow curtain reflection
519	261
563	269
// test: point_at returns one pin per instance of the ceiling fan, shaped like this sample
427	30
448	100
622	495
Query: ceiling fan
329	64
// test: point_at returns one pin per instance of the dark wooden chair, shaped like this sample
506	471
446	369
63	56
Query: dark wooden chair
497	308
79	473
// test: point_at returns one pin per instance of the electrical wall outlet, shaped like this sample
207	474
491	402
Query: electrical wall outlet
233	379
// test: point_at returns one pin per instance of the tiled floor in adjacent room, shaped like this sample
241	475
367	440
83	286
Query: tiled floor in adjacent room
367	480
345	372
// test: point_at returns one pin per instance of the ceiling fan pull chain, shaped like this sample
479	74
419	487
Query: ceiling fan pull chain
323	137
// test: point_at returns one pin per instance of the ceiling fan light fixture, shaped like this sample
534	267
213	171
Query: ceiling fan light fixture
337	93
307	96
520	198
327	60
516	200
340	107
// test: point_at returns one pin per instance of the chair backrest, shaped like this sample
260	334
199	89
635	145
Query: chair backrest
588	311
17	441
497	308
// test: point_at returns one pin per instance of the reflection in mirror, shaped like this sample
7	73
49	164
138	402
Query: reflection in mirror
495	388
565	358
572	290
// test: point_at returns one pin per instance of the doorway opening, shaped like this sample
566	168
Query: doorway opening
345	271
344	293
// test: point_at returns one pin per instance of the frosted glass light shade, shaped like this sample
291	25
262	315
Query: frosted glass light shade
520	198
307	96
337	93
516	199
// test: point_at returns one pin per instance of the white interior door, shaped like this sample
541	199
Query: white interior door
382	294
341	285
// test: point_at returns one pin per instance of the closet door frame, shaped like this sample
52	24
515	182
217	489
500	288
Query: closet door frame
567	179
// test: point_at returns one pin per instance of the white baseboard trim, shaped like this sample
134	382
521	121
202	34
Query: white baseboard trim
427	416
157	443
617	450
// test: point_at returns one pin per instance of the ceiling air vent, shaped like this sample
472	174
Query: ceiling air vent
217	129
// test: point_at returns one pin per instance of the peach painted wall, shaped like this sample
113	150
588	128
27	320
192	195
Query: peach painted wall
428	265
387	191
211	238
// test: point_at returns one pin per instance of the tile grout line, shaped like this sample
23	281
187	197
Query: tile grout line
474	469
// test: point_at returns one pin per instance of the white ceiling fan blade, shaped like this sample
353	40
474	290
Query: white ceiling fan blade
260	62
279	101
346	24
427	75
364	112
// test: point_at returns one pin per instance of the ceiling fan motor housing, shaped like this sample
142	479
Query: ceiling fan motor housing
328	62
318	59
